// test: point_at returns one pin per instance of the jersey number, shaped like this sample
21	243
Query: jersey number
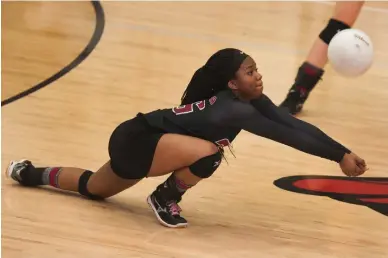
185	109
189	108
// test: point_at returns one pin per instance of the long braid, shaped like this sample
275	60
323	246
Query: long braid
202	86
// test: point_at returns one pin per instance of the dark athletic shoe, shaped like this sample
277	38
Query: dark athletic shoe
167	212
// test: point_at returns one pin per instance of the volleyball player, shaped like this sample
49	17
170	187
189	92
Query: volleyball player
223	97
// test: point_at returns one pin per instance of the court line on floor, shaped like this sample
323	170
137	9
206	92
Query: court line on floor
98	31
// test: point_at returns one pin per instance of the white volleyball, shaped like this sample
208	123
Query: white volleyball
350	52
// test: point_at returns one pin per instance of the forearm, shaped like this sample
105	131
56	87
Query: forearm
266	107
294	138
320	135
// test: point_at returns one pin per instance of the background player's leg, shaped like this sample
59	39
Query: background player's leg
311	70
347	12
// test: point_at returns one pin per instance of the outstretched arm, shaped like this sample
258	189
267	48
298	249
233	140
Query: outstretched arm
262	126
245	116
268	109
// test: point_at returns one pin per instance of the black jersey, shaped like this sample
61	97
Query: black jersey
221	118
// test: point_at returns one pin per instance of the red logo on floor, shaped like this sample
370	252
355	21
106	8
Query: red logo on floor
371	192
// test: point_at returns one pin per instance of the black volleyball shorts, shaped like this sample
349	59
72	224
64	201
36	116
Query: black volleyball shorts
132	146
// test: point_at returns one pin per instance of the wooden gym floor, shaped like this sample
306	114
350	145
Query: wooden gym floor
143	61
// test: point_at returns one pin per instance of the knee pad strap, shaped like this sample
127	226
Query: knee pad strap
206	166
82	186
333	27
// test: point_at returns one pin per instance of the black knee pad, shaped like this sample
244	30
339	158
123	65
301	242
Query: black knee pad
333	27
82	186
206	166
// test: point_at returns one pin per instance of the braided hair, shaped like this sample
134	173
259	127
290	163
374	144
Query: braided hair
214	76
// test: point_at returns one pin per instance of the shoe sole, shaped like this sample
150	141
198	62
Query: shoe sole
8	170
6	173
180	225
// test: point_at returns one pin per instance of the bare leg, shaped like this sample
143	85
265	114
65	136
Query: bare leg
106	183
173	153
347	12
176	151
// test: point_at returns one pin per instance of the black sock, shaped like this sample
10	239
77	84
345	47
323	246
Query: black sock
308	76
172	189
181	186
32	176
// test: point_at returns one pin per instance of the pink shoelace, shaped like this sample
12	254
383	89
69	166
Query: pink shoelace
174	208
